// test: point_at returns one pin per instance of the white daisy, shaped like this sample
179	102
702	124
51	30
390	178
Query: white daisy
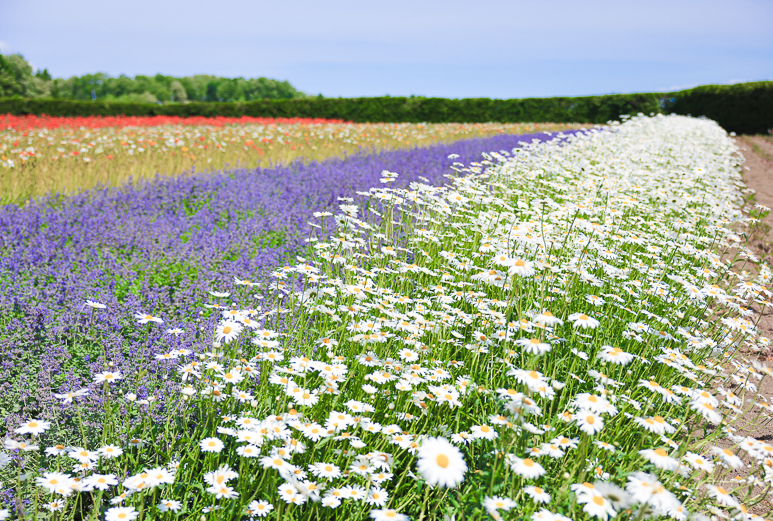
441	463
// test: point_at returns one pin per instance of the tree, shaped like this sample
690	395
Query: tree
178	91
16	78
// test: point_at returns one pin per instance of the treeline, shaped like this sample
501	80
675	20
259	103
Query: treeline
743	108
18	79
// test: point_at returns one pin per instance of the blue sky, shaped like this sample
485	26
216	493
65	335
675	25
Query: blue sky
481	48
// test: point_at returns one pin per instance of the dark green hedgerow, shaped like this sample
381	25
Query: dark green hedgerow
743	108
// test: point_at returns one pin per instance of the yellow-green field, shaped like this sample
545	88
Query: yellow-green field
67	160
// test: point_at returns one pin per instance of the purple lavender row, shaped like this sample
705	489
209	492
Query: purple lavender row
158	249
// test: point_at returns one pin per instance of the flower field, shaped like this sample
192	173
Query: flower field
548	332
41	155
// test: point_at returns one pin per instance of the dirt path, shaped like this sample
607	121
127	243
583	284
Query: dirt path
758	175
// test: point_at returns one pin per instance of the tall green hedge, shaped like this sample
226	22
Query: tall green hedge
743	108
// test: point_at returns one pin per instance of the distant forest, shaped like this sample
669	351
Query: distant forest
18	79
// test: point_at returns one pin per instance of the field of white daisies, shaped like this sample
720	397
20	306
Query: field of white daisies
552	336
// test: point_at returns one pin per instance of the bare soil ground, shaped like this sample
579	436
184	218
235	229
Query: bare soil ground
758	175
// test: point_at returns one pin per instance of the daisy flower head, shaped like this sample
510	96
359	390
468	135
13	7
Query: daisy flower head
332	501
483	432
537	494
82	454
168	505
706	410
95	305
492	504
546	515
110	451
656	424
33	427
615	355
259	508
584	321
533	379
645	488
582	488
121	514
651	385
290	494
102	481
546	318
456	198
388	514
533	345
211	445
722	496
107	376
565	443
502	259
227	331
144	318
527	467
53	506
521	268
11	444
596	505
231	314
619	498
699	462
248	451
728	457
441	463
53	481
222	492
604	445
158	476
660	458
56	450
377	497
595	403
589	422
595	300
355	492
68	396
679	513
306	397
705	397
